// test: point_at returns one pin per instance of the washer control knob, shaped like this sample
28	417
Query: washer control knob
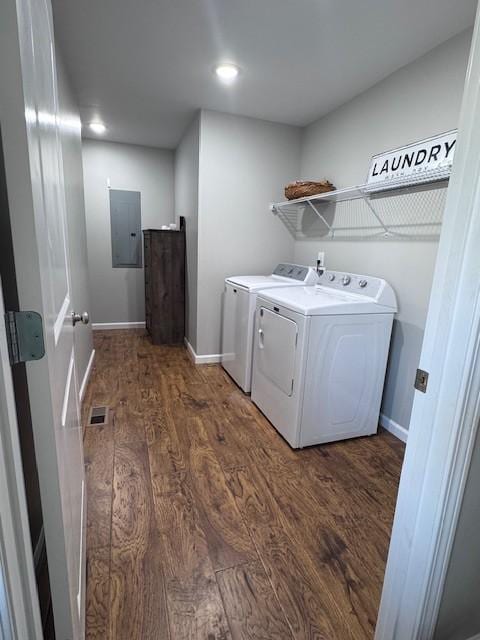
331	277
346	280
362	283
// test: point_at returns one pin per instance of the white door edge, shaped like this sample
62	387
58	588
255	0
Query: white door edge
86	377
20	609
60	321
444	420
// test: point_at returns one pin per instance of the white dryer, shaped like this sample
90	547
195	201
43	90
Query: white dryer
239	315
320	356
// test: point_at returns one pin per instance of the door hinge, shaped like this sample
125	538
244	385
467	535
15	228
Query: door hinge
421	380
24	336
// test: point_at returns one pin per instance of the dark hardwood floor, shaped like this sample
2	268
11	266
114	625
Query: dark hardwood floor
204	524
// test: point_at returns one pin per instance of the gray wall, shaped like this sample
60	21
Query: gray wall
419	100
117	295
459	616
186	205
73	176
244	164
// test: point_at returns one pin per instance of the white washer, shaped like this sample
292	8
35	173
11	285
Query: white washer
239	315
320	355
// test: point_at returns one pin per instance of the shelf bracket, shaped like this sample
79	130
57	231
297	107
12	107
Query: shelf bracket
322	218
366	199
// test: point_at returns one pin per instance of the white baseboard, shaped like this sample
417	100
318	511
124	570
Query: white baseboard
88	370
110	326
396	429
207	359
191	353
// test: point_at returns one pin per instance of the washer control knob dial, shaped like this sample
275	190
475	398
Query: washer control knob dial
331	277
363	283
346	280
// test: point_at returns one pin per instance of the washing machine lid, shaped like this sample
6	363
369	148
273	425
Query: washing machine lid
337	293
284	275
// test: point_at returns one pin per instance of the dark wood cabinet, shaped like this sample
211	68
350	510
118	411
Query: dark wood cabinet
164	255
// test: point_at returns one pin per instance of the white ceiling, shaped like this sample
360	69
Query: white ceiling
145	66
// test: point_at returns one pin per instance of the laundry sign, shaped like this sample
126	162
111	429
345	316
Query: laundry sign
429	155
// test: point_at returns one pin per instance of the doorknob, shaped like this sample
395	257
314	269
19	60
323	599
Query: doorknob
84	318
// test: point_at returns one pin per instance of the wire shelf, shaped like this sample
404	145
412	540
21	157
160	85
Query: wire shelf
407	208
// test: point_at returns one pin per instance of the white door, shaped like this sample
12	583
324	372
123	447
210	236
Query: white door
34	170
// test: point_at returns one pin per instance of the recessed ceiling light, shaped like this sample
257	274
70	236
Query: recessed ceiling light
226	71
97	127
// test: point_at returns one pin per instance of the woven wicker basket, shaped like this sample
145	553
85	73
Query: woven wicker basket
303	188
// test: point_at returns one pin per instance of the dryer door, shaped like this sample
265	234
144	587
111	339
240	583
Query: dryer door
277	345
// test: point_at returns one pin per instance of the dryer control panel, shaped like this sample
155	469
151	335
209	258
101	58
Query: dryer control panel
298	272
368	286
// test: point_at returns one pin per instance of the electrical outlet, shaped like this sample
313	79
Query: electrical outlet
321	259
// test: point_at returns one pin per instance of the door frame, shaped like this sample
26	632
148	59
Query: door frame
444	420
19	605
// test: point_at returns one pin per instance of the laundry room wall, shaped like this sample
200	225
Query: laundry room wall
117	294
186	205
419	100
244	164
71	130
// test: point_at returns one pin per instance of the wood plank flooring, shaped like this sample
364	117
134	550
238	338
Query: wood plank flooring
203	524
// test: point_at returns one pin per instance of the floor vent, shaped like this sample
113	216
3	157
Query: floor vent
98	416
